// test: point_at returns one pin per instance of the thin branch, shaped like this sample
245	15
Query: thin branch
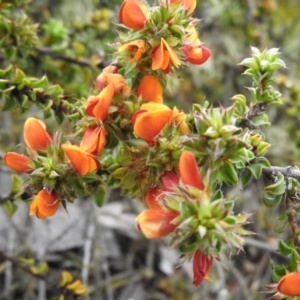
81	62
18	264
255	110
288	203
271	173
5	198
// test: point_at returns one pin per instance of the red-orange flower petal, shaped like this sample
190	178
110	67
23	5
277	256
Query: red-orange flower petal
156	223
190	5
35	134
135	48
158	57
131	15
202	264
101	81
289	285
150	89
148	124
189	170
109	76
98	106
17	162
44	204
173	55
162	56
94	139
168	181
179	118
196	55
82	161
153	198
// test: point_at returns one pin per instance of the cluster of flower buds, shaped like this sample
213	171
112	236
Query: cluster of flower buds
162	37
51	165
183	208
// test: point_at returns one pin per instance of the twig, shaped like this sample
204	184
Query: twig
254	111
271	173
81	62
288	203
18	264
5	198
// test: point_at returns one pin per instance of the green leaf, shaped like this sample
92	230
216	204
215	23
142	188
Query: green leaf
229	174
19	76
263	162
282	228
9	207
284	248
277	188
245	176
271	200
255	169
295	259
100	195
16	184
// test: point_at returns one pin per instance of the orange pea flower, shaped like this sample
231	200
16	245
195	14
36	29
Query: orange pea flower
98	106
202	264
150	89
150	120
17	162
289	285
109	76
94	139
190	5
189	170
135	48
35	134
162	57
178	117
44	204
155	223
82	161
196	54
132	15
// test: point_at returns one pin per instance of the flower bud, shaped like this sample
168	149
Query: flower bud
35	134
202	264
17	162
131	15
289	285
156	223
168	181
150	89
189	170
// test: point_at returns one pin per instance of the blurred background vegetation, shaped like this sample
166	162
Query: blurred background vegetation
70	42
